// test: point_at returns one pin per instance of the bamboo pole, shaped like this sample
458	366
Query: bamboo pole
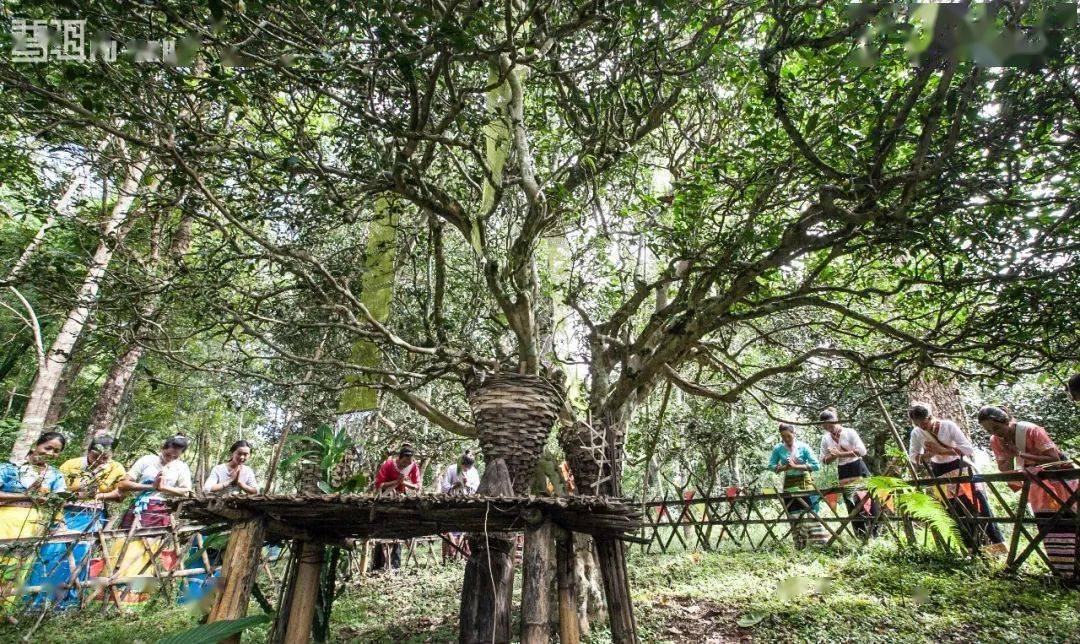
617	589
889	421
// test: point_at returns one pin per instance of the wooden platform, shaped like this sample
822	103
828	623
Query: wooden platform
331	518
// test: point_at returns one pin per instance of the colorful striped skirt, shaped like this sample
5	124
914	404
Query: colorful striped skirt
1059	544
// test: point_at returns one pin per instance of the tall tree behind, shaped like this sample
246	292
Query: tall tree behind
113	230
149	314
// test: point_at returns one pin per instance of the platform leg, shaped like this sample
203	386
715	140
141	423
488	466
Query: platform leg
301	596
239	569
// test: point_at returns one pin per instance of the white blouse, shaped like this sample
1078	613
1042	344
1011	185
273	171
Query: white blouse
849	440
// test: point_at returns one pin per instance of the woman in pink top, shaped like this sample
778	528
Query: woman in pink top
1018	445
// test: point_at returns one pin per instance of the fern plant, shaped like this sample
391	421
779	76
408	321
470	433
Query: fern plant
916	504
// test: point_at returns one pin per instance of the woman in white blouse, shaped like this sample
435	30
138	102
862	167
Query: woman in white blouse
155	477
845	447
941	445
233	476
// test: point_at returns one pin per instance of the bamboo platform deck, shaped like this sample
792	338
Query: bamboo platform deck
331	518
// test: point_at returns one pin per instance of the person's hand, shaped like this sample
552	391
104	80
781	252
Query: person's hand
36	485
159	480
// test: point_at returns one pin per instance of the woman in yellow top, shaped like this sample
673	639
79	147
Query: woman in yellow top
94	479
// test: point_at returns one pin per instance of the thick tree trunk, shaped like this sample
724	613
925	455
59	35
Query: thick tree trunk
48	378
118	381
58	407
944	398
488	588
591	606
111	393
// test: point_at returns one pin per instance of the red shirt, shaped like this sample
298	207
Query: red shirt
389	471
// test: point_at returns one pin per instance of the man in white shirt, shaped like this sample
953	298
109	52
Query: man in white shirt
461	477
845	447
943	447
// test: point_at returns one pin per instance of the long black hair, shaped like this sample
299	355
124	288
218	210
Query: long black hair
238	444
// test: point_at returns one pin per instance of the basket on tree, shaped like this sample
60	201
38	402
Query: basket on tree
584	451
514	414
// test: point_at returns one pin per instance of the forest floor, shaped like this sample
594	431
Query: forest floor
876	595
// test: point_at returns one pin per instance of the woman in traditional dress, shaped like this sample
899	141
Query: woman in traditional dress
94	479
1019	445
398	475
845	447
225	479
23	487
940	445
152	478
796	461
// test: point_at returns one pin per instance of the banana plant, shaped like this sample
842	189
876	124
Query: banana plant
326	448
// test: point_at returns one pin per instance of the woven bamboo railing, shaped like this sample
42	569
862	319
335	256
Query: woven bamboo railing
756	520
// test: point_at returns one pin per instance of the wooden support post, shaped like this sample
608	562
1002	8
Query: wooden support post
238	572
569	628
612	555
536	563
301	596
488	588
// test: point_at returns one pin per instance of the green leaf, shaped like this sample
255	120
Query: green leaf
753	618
294	459
325	487
215	631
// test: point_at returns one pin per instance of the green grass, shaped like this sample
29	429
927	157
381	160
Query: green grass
878	595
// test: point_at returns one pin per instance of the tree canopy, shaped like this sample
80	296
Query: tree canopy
639	195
